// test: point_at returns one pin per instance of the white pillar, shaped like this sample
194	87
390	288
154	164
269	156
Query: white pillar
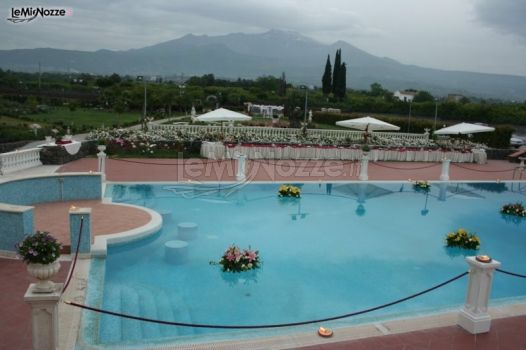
474	317
44	317
364	164
444	176
240	176
102	162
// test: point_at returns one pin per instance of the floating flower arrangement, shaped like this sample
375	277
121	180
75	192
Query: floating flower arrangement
516	209
236	260
421	185
462	239
289	191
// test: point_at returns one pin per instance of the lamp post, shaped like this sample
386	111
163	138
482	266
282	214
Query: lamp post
409	118
436	113
306	99
141	78
144	110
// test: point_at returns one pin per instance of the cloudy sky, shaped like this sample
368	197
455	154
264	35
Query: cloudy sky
474	35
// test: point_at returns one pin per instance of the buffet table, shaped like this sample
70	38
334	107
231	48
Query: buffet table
72	147
218	150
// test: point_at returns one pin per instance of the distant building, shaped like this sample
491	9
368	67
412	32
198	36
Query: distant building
331	110
406	96
267	111
454	97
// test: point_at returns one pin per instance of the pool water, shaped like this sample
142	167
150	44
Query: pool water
340	248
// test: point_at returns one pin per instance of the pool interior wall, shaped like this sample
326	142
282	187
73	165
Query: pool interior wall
342	247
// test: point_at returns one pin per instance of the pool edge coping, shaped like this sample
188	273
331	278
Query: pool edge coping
100	246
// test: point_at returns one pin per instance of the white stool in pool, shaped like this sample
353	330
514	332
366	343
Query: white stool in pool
165	214
176	252
187	231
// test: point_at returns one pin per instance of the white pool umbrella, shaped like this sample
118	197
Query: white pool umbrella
367	124
222	115
464	128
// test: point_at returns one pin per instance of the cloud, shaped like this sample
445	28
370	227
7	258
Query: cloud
121	24
506	16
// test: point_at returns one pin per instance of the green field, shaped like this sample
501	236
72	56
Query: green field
84	118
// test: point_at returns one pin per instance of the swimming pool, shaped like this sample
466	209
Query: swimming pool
340	248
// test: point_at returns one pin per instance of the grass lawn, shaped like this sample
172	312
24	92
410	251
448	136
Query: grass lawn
10	121
85	118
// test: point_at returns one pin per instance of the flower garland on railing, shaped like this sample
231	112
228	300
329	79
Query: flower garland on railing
289	191
516	209
462	239
237	260
421	185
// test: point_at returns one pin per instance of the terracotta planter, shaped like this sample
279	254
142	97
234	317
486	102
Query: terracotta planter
43	273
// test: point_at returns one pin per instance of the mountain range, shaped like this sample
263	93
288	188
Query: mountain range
240	55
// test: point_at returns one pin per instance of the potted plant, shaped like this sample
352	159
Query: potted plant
41	252
101	145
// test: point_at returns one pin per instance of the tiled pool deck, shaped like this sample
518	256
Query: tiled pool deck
506	333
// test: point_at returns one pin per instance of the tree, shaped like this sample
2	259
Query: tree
282	89
377	89
423	96
326	80
342	88
336	71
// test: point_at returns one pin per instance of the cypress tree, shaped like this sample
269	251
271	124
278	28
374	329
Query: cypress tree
336	71
282	89
342	87
326	80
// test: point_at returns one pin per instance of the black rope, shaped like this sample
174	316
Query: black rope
415	168
72	269
511	273
483	171
202	161
295	165
279	325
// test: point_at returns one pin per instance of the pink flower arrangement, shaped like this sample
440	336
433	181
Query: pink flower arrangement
237	260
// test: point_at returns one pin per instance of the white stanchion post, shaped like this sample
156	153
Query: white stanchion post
102	162
364	165
444	176
474	317
44	317
241	165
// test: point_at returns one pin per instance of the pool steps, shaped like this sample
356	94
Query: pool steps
145	302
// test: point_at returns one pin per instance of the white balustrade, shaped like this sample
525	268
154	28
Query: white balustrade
11	162
352	135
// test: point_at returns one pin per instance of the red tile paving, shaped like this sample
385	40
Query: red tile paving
15	321
105	218
507	333
272	170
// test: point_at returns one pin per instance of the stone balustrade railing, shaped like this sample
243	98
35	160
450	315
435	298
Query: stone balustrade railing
19	160
352	135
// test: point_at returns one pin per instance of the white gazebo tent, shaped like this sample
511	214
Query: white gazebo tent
222	115
367	124
463	129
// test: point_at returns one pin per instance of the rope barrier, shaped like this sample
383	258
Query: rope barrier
279	325
304	165
414	168
482	171
511	273
72	269
202	161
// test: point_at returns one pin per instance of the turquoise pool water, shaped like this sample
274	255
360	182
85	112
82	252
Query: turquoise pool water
342	247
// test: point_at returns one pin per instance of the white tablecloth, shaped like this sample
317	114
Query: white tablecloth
216	150
72	148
